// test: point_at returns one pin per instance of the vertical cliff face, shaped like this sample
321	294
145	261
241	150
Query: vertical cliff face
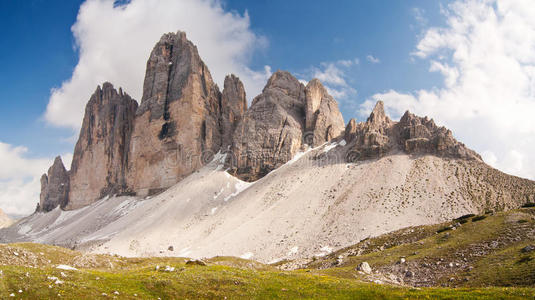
281	120
271	131
54	187
183	120
101	155
233	108
177	124
323	118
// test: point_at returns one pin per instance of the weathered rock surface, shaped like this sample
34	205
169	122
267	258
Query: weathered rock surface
281	121
54	187
101	155
183	120
177	124
364	267
412	134
233	108
421	136
324	121
271	131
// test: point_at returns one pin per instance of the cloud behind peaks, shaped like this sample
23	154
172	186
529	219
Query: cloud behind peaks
486	55
114	40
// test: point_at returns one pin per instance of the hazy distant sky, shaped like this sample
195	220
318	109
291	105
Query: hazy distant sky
468	64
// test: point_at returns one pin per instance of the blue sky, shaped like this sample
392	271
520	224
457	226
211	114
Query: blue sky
469	64
36	54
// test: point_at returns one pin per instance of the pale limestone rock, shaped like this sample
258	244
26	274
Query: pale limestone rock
351	130
101	155
233	108
364	267
379	136
177	124
284	119
54	187
323	120
272	129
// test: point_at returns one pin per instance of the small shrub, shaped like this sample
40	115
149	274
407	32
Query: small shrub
444	229
462	221
529	204
464	217
478	218
524	259
522	221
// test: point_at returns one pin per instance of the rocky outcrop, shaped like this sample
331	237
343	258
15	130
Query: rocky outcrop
54	187
284	119
271	131
177	124
421	135
371	138
183	120
101	155
351	130
414	135
323	120
233	108
281	121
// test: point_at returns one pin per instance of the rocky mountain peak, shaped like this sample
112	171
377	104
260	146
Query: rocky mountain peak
184	120
233	108
173	60
54	187
412	134
315	92
281	120
378	118
177	124
284	81
101	153
350	130
323	120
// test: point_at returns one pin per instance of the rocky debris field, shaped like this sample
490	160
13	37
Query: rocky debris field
494	249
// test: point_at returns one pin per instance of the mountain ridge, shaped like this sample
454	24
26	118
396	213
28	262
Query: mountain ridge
183	120
195	169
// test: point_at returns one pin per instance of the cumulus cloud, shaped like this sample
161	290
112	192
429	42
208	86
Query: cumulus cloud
334	77
486	55
419	16
373	59
114	40
19	179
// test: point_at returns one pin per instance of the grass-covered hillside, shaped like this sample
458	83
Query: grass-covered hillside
481	256
472	251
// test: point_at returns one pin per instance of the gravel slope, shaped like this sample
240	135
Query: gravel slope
310	206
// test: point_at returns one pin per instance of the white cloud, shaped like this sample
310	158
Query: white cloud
348	62
330	74
334	77
486	55
419	16
115	40
20	179
373	59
